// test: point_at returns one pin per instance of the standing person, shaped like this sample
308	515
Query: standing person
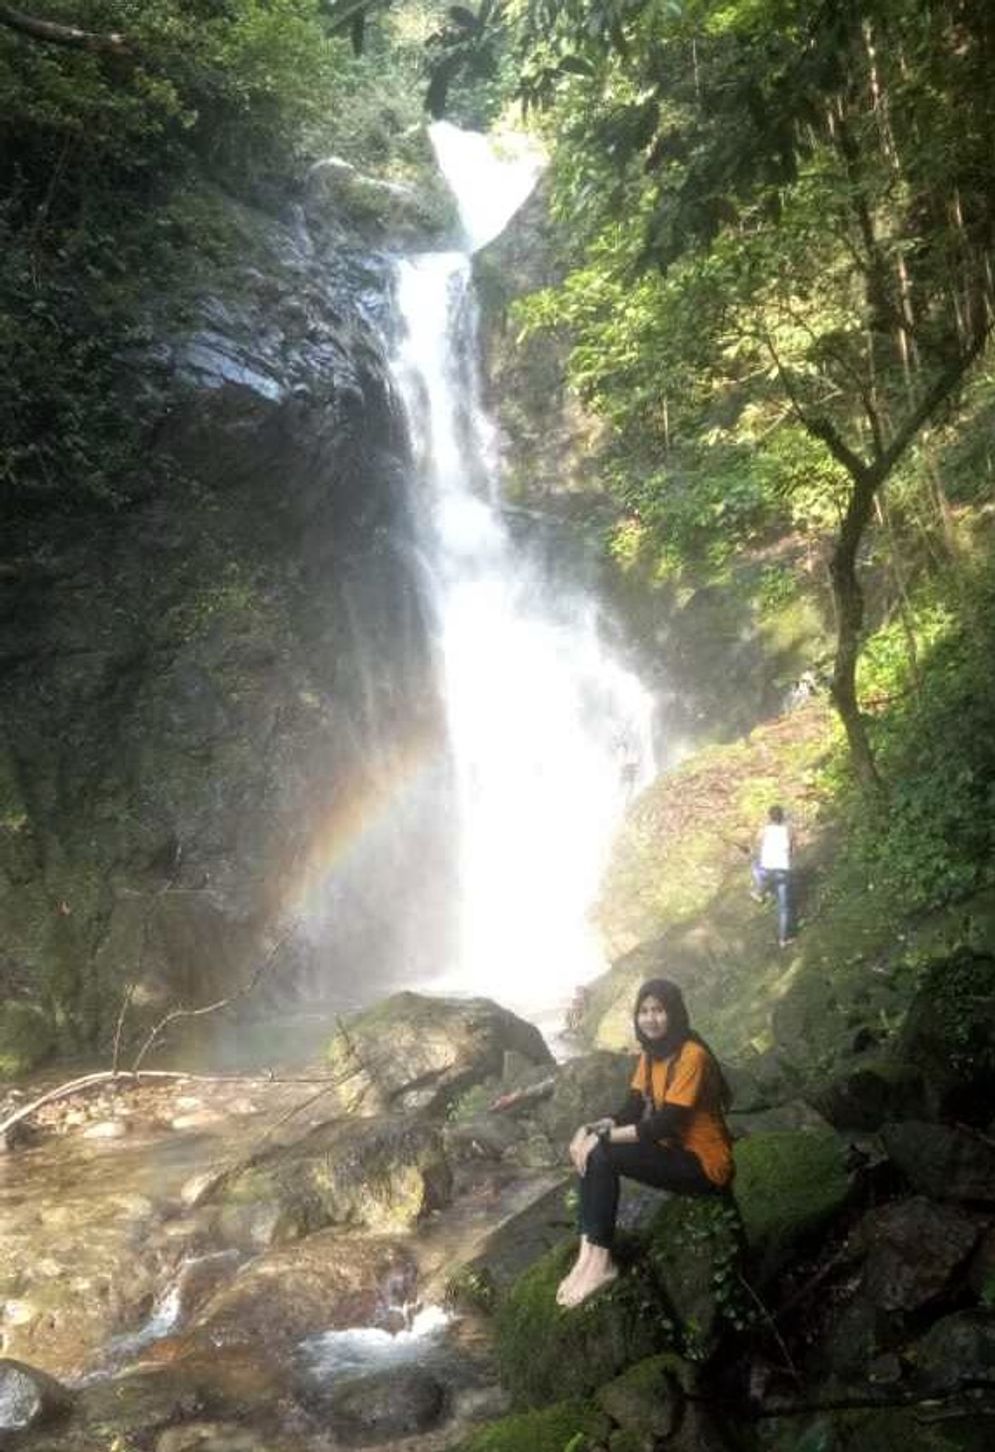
669	1133
772	871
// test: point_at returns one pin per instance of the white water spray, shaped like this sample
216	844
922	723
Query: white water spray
549	734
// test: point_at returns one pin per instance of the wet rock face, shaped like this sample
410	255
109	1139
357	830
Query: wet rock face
914	1248
382	1175
328	1282
29	1398
418	1052
207	683
940	1160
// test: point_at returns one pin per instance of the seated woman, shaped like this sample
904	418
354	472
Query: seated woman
670	1133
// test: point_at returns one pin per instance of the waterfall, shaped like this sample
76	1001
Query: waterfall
548	732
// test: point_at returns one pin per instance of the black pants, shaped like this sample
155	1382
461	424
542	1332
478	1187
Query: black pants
663	1167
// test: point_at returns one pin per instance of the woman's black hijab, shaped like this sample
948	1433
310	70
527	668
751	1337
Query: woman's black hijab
679	1029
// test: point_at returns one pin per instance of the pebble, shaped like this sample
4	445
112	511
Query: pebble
198	1119
106	1129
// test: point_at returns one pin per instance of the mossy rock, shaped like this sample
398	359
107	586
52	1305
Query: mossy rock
381	1174
647	1400
26	1038
550	1429
694	1248
788	1186
545	1352
416	1051
875	1090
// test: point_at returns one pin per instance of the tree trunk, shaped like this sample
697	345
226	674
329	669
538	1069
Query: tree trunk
849	601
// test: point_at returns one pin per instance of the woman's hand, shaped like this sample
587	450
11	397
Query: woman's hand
583	1143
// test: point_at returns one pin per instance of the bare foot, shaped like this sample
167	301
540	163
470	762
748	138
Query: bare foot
566	1285
587	1284
597	1270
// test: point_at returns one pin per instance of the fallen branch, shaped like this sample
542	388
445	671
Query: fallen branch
49	32
516	1098
132	1078
176	1014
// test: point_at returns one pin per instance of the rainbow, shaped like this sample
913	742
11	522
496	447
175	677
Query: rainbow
357	809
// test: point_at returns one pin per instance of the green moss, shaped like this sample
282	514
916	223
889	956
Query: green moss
26	1038
647	1400
788	1185
546	1353
552	1429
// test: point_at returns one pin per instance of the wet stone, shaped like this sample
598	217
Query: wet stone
29	1397
365	1410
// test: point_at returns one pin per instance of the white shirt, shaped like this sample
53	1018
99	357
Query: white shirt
775	847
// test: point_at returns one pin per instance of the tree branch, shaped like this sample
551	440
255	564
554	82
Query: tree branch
52	33
931	400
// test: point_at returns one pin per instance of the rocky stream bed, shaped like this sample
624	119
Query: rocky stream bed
365	1252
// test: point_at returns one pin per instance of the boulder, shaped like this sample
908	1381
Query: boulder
944	1162
913	1429
694	1248
482	1137
380	1174
646	1400
865	1096
788	1186
760	1081
29	1397
116	1412
545	1353
328	1281
914	1247
414	1051
521	1239
851	1342
586	1088
382	1405
670	1298
957	1351
793	1114
949	1036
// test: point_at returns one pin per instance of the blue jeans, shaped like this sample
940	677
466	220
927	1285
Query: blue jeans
775	879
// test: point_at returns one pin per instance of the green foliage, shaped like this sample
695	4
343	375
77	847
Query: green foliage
775	280
951	1010
26	1038
109	226
932	842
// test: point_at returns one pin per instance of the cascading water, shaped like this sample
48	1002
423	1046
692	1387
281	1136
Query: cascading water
548	733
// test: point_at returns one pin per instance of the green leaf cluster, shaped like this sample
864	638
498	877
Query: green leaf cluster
934	732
